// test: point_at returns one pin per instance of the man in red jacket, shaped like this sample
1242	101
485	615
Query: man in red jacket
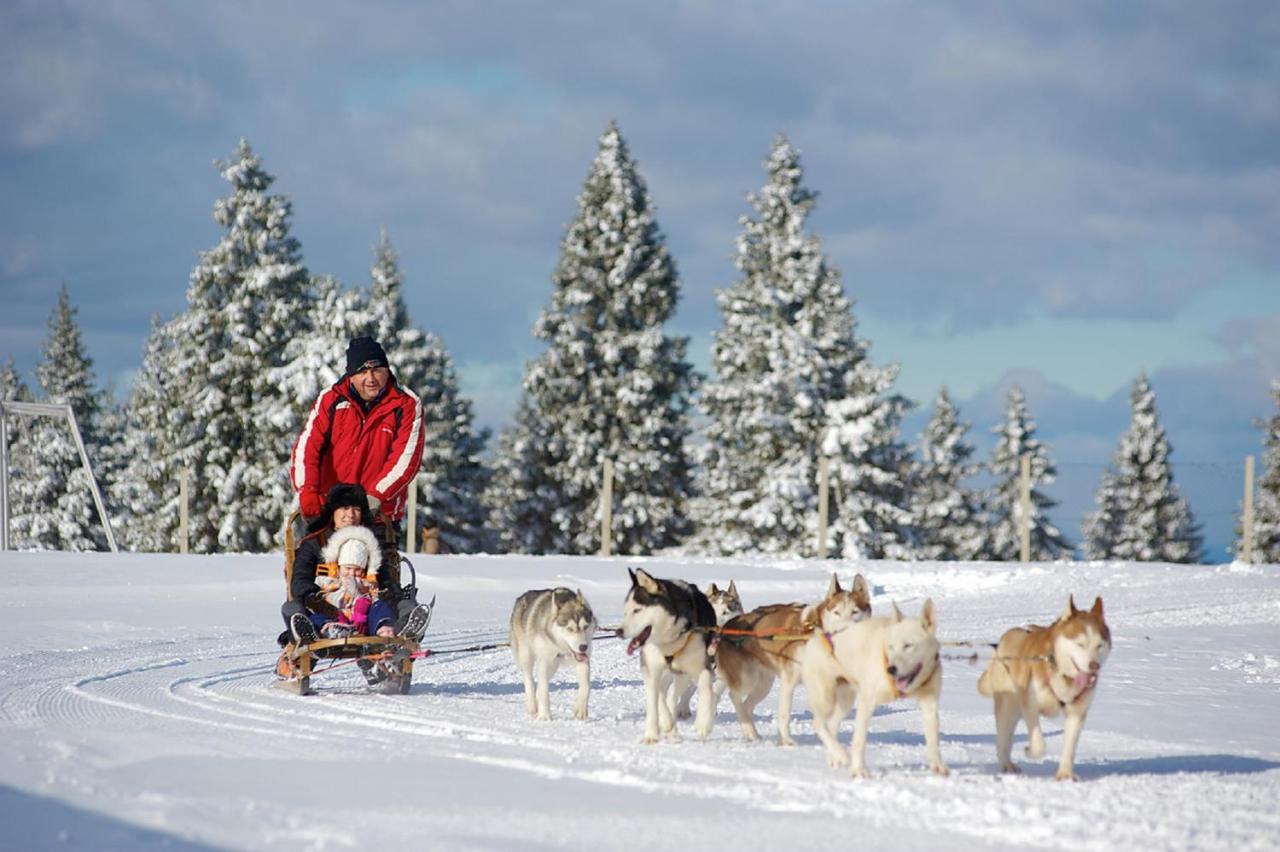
365	429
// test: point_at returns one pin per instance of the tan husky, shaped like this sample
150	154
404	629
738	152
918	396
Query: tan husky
877	660
1037	671
748	664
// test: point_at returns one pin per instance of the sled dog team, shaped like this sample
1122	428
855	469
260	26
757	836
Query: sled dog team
705	643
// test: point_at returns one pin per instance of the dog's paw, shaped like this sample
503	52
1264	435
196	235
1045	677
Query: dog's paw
859	772
1011	769
940	769
1066	775
1035	748
649	739
837	759
683	713
543	716
786	740
580	713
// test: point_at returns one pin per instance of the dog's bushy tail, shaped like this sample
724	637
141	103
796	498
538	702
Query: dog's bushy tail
984	683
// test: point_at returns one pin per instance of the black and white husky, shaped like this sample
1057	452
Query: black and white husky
548	626
669	621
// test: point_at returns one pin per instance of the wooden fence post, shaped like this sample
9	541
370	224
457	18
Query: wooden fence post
411	534
606	509
1024	505
1246	522
184	488
822	507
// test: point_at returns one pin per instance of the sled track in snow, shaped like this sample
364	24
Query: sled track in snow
221	686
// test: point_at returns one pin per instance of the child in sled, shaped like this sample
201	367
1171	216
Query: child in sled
355	553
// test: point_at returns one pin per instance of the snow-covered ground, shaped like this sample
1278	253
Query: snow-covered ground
137	711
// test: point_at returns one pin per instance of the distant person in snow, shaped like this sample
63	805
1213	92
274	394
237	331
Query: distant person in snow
365	429
341	532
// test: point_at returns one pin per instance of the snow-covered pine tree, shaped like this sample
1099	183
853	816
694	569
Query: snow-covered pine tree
160	441
1141	516
1101	527
521	496
23	483
58	513
315	358
611	384
218	405
792	380
453	476
1266	494
1016	438
947	515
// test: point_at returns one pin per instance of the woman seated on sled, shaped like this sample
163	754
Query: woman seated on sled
342	536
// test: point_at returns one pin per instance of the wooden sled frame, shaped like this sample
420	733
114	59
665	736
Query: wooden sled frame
396	653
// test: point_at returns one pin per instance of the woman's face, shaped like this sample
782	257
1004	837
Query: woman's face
345	516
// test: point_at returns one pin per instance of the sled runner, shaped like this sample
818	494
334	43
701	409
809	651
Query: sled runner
385	661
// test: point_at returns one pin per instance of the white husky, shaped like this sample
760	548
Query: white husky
878	660
547	626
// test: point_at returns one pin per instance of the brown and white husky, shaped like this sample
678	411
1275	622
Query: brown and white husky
1039	671
748	664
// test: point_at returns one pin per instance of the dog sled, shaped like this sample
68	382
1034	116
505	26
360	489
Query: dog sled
385	661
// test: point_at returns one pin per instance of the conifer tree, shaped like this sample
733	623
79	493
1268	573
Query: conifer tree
453	476
793	380
57	505
23	483
1266	493
947	515
1016	438
1138	501
219	406
521	496
1141	516
158	420
611	384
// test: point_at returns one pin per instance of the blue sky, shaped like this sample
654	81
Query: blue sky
1059	195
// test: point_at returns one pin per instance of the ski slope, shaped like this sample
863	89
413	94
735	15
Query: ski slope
137	711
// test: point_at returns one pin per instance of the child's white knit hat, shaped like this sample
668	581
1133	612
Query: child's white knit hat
354	552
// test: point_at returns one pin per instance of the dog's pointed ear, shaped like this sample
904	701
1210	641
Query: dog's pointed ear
860	586
1096	611
432	605
834	588
581	598
1071	607
929	617
712	590
809	618
632	572
733	589
897	613
642	579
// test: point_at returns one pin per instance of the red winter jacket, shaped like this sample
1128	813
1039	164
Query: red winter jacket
380	450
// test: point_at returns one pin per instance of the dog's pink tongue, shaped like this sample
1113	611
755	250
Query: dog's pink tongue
1082	680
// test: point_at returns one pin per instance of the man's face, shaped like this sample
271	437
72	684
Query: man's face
369	383
346	516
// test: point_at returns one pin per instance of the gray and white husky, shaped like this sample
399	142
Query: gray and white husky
727	603
669	622
547	626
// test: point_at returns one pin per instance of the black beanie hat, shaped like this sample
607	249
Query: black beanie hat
363	353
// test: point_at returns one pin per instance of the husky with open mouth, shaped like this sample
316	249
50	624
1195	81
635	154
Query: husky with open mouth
727	603
547	627
748	664
669	622
1039	671
874	661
